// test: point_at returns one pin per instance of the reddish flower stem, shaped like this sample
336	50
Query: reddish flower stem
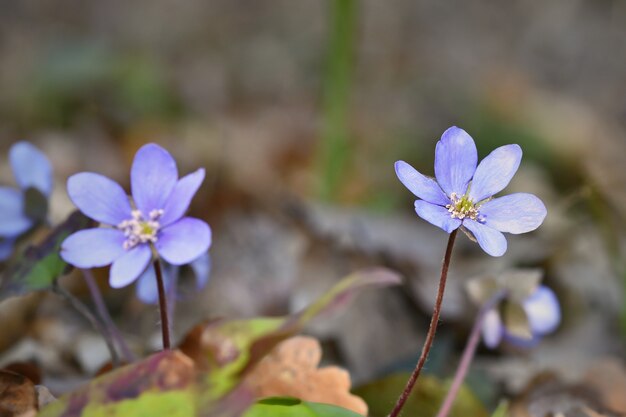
430	336
468	354
165	325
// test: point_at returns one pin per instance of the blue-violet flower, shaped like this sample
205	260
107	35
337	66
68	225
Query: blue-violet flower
543	314
462	194
155	221
33	175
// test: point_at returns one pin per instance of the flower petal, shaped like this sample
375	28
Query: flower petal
153	177
6	248
31	168
492	329
490	240
202	269
436	215
521	342
178	202
13	221
543	311
514	213
129	266
99	197
183	241
495	172
455	161
93	247
423	187
146	288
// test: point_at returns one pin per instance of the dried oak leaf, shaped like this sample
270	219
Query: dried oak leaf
291	369
608	377
18	397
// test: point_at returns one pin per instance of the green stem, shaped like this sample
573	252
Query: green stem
334	145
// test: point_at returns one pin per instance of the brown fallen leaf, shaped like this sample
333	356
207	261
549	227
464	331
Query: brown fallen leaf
28	369
291	369
608	376
18	397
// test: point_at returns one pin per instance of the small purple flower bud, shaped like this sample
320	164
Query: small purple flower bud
32	172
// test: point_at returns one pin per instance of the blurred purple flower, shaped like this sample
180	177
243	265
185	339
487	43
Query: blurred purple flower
155	222
33	175
147	290
543	314
462	193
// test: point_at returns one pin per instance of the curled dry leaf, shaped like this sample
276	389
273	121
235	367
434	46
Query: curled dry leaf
18	397
291	369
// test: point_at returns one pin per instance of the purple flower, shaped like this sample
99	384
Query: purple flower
33	175
147	290
543	314
155	221
462	194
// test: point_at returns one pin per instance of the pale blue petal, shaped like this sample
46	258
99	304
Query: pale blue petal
514	213
436	215
93	248
147	289
183	241
153	177
490	240
13	221
521	342
455	161
178	202
202	269
495	172
422	186
31	168
99	198
543	311
129	266
492	329
6	248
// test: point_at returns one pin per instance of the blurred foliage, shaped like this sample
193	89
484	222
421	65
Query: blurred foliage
334	141
207	377
291	407
75	79
425	400
38	267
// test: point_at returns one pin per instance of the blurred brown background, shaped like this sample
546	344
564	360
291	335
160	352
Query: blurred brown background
298	110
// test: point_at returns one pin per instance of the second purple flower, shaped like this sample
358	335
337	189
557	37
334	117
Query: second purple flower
156	220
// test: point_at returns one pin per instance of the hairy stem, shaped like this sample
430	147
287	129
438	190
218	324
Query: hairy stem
103	312
468	354
165	325
91	318
430	336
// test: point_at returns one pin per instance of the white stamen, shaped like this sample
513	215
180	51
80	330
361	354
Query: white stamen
461	208
139	230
